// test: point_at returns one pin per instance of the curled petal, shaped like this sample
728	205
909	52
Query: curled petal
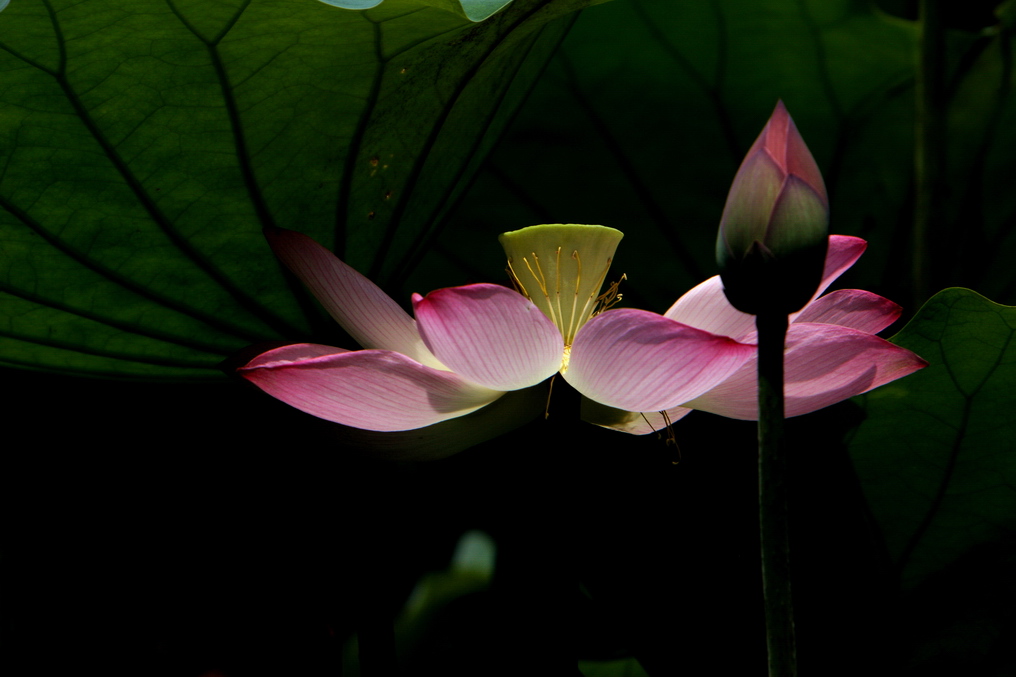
367	314
370	389
843	252
639	361
632	422
852	308
823	364
490	334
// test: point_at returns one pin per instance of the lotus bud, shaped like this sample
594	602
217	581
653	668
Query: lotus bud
774	231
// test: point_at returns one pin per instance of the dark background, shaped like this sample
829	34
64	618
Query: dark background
174	530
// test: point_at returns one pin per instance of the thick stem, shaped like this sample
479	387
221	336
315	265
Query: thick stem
772	494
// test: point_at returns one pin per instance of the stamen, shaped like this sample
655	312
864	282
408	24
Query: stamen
557	288
516	282
550	391
592	306
650	424
574	319
671	437
609	298
541	280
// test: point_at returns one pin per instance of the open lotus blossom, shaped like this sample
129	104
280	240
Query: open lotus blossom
831	352
469	345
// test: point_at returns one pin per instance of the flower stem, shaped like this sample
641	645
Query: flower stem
772	495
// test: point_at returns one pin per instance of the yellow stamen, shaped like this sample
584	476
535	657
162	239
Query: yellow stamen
671	437
609	298
516	282
566	357
550	391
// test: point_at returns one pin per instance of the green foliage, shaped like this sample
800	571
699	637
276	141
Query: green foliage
147	143
936	455
655	103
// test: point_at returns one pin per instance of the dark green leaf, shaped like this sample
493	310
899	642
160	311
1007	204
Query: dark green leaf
936	454
147	143
646	112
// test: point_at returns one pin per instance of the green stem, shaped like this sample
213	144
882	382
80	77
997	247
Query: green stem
772	495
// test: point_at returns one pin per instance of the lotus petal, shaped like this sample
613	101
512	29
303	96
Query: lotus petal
640	361
823	364
490	334
367	314
370	389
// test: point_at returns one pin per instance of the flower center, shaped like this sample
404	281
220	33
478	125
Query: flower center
561	269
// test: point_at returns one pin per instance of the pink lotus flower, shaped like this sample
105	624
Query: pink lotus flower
469	345
832	352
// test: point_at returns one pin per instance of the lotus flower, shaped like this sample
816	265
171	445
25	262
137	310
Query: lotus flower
469	345
774	229
831	354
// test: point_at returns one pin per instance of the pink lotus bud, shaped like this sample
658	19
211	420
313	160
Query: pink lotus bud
774	230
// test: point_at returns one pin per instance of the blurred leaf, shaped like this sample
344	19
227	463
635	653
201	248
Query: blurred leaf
936	455
625	667
147	143
469	571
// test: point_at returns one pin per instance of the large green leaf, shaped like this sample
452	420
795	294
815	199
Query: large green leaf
936	454
146	143
655	103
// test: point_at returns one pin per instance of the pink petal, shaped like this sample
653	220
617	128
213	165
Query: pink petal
824	364
632	422
639	361
490	334
844	250
852	308
369	389
706	307
367	314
